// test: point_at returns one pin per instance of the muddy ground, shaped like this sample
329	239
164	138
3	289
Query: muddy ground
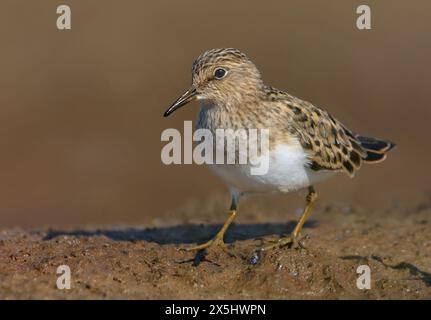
147	263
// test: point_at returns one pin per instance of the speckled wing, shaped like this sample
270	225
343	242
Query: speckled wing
329	144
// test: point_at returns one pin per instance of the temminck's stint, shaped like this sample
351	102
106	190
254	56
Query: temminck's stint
306	144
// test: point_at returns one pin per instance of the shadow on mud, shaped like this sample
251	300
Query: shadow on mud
412	269
185	234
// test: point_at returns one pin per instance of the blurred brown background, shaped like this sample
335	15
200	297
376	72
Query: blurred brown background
81	110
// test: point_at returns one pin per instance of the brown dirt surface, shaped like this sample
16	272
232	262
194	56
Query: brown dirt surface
147	263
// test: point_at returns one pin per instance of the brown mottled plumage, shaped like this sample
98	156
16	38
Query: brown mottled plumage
233	96
329	144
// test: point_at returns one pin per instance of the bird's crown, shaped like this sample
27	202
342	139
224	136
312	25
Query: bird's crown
221	56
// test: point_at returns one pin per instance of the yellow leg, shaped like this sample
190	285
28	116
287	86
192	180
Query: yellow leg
218	239
293	238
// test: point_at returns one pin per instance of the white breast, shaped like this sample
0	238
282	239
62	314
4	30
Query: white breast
287	171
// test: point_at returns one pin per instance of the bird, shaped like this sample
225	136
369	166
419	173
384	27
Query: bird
306	144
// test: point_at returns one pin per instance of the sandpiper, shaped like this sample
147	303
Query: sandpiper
307	144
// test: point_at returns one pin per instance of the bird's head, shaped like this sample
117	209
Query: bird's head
221	77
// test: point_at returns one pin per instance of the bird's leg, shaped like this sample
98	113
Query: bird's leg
293	238
218	239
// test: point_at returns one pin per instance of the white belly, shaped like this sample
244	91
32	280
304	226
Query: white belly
287	171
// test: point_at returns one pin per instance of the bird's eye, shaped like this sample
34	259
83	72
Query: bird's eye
219	73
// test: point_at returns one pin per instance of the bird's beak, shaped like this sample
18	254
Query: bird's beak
187	96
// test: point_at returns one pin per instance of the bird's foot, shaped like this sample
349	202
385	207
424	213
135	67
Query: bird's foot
217	242
291	241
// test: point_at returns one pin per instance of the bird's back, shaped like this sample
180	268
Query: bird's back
328	143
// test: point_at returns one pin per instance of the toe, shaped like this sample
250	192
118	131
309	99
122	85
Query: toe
200	246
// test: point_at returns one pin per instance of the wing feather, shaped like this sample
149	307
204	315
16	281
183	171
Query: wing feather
329	144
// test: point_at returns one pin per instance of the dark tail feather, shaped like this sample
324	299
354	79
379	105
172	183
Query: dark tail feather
376	148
